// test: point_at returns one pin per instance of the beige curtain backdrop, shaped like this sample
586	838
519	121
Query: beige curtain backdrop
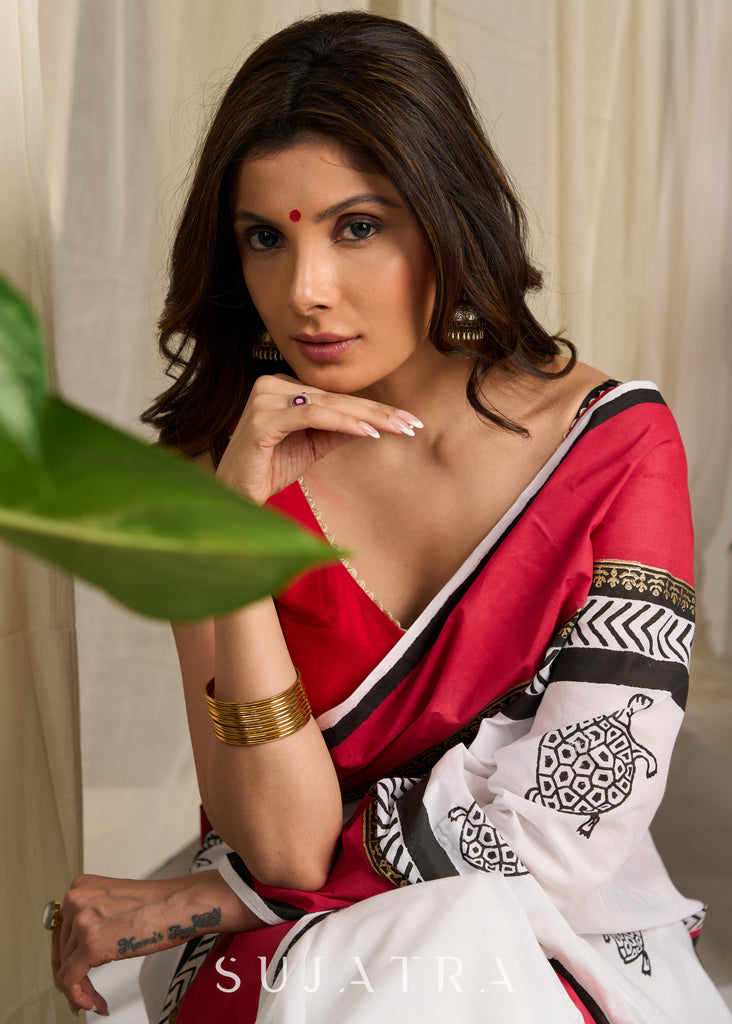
39	741
616	121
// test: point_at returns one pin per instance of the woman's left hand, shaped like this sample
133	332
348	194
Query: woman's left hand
107	919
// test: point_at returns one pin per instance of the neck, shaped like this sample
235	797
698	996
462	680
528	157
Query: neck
432	388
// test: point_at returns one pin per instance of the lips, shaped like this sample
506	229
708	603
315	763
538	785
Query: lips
324	348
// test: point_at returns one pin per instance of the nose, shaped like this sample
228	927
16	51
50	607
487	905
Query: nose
313	278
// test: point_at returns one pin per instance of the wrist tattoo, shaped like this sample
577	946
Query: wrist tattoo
175	931
133	945
198	923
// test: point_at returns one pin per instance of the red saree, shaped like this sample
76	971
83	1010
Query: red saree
518	732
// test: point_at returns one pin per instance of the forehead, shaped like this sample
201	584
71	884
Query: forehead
304	173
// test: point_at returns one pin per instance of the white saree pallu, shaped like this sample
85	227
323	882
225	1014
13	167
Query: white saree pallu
466	949
458	949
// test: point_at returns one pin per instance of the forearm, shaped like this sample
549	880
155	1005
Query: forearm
277	804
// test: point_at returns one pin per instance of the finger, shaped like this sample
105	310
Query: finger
55	955
271	418
350	416
383	417
270	427
282	383
62	935
59	942
74	982
86	997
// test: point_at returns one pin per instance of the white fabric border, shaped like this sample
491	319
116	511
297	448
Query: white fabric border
246	894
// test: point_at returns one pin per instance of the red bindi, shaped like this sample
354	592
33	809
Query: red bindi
295	215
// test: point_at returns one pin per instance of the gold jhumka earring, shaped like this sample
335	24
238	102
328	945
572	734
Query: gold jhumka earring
465	324
265	348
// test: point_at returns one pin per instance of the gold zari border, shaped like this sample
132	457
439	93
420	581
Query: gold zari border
377	860
634	577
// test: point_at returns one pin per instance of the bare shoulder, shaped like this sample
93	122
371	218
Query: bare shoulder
563	397
583	379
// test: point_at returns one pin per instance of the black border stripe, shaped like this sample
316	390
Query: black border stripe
316	920
639	396
427	759
241	869
283	910
622	668
422	644
429	858
591	1005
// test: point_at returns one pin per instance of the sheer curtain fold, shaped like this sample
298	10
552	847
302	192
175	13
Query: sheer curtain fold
39	745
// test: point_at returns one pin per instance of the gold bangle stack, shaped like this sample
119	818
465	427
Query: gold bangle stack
260	721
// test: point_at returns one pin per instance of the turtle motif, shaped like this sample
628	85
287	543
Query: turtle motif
588	768
482	845
630	947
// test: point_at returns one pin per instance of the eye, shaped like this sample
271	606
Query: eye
358	230
262	239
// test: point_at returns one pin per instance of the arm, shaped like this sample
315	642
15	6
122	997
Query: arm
277	804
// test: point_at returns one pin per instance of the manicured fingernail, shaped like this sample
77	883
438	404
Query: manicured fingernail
408	418
402	425
368	429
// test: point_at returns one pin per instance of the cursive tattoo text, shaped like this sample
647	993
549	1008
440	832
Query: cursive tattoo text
133	945
199	922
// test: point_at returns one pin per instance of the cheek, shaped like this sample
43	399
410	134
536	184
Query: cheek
414	292
262	288
409	280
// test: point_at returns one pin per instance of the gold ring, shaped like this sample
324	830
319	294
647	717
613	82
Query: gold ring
52	916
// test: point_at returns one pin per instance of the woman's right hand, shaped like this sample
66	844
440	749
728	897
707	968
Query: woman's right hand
274	442
106	919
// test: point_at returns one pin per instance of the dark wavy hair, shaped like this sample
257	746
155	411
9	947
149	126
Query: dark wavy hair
391	99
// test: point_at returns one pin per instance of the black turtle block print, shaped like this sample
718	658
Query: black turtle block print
482	845
630	947
589	768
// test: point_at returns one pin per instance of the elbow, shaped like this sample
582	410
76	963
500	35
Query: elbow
303	866
292	869
301	877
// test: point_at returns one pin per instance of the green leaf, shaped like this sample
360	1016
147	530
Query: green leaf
150	528
22	371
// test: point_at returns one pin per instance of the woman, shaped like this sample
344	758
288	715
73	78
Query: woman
495	716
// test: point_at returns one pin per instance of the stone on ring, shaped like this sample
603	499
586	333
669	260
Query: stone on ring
52	916
300	399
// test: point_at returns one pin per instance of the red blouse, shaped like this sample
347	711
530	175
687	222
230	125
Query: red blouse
327	610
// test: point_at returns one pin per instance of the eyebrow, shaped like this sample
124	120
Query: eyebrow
331	211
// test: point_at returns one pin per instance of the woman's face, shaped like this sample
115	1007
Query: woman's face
338	268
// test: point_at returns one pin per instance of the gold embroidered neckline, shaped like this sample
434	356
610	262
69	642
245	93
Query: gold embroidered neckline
344	561
594	396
